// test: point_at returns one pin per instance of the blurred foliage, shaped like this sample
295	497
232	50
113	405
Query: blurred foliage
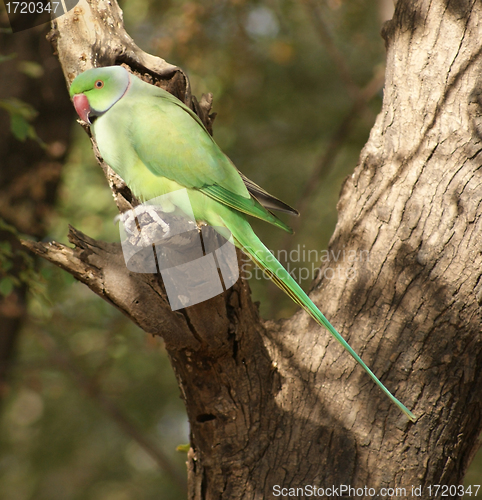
279	98
22	114
26	274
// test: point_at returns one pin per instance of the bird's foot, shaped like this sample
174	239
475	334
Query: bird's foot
145	223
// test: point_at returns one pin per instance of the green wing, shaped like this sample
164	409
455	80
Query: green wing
172	142
267	200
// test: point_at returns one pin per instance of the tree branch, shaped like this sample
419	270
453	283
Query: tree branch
102	268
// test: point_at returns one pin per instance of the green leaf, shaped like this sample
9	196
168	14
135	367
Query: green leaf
19	126
6	286
21	114
17	107
7	265
6	247
7	57
30	68
7	227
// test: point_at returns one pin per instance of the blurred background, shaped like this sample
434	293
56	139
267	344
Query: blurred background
89	406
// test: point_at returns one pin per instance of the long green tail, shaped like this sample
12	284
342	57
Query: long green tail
263	258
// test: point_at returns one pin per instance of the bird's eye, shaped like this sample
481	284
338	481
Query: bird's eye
99	84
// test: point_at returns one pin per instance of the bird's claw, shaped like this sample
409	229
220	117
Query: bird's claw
135	225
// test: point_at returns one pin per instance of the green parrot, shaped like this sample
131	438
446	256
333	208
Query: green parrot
158	145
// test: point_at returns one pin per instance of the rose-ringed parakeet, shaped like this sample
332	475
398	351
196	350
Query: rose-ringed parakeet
158	145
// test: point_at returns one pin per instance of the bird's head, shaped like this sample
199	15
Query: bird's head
96	90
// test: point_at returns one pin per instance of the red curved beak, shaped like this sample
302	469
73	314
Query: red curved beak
81	104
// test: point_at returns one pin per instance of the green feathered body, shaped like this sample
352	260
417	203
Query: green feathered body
174	154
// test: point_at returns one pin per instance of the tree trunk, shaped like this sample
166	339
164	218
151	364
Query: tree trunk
279	404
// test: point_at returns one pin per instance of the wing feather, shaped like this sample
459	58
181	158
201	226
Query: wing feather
179	148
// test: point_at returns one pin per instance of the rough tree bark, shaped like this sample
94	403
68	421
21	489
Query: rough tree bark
280	403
